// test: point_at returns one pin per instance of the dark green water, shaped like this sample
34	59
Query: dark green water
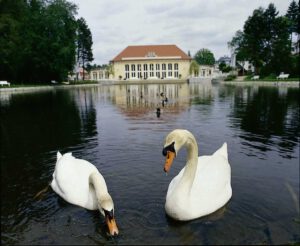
117	129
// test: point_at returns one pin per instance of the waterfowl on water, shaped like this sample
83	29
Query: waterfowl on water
79	182
203	185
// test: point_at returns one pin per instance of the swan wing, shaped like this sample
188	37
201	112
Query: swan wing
71	180
212	184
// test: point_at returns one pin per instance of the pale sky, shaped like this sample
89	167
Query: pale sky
189	24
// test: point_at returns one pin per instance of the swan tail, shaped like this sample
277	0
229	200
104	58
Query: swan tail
58	155
223	151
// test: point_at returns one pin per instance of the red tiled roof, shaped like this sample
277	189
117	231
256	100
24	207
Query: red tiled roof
143	51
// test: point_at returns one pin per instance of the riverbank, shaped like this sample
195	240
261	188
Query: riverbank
263	83
98	83
237	82
241	80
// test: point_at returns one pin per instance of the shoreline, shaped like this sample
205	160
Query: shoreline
264	83
117	82
100	83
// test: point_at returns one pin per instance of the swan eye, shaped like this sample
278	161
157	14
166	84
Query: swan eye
109	214
168	148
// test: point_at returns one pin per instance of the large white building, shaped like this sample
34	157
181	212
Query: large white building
151	62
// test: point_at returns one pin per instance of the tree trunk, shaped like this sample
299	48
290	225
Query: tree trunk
83	70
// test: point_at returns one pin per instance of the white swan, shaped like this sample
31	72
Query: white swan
79	182
203	185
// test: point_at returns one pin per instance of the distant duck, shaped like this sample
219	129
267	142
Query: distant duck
79	182
158	112
203	185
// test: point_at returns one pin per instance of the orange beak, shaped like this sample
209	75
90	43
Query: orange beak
112	226
169	160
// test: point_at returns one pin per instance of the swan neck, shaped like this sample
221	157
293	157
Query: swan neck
97	180
191	163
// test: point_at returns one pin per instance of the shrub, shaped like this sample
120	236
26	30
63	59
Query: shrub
230	77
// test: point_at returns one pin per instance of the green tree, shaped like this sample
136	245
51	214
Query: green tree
236	46
84	44
194	68
12	15
293	16
264	41
204	57
61	36
38	41
110	70
253	38
224	67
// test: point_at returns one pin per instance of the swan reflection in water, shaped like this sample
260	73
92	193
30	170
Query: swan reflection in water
194	231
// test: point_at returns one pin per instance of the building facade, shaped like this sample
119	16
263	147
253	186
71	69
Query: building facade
99	74
151	62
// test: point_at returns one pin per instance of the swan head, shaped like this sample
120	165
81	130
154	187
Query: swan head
106	207
173	142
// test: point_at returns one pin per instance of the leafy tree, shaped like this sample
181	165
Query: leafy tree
84	44
224	67
37	41
236	45
204	57
110	70
270	31
264	41
293	16
280	51
61	35
12	15
241	57
253	38
194	68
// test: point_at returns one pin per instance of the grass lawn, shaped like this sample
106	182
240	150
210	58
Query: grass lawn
20	85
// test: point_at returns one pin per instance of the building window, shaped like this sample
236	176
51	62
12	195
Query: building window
139	73
151	70
133	70
126	71
145	71
176	70
170	70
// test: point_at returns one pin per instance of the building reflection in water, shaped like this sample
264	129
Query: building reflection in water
137	100
142	99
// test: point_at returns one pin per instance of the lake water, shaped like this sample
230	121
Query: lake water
117	128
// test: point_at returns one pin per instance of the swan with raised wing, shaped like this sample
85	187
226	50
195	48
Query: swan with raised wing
203	185
79	182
